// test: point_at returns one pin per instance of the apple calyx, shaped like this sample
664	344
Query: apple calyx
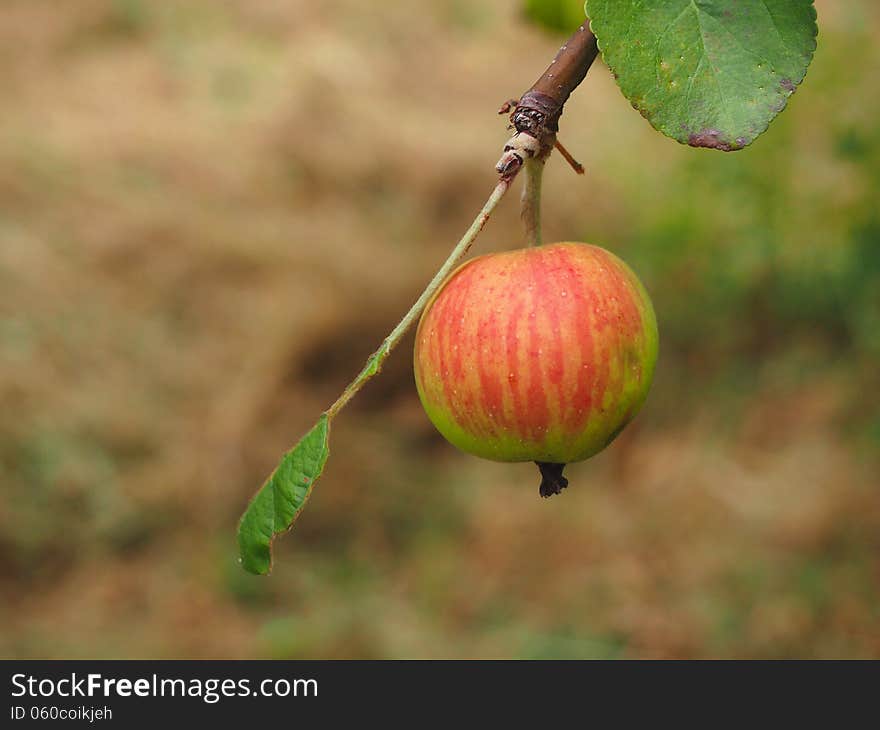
552	481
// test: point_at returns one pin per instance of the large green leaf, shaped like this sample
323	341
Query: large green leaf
709	73
281	498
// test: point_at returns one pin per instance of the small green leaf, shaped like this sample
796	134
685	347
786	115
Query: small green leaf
280	500
561	16
374	364
708	73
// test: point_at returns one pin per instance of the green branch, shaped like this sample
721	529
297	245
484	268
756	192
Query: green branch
282	497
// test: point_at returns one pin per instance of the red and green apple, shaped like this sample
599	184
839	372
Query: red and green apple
540	354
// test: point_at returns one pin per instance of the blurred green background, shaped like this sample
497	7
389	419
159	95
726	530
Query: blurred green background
212	211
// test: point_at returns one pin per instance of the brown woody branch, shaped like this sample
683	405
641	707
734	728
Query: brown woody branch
535	116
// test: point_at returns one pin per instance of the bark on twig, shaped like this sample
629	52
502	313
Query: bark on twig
537	112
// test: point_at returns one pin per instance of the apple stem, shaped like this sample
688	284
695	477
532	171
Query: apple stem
461	248
531	200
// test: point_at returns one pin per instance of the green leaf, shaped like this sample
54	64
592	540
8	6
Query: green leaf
708	73
280	500
374	363
561	16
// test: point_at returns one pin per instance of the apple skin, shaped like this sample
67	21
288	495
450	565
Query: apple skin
540	354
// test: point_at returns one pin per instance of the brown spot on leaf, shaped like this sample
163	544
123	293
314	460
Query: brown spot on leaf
714	139
787	85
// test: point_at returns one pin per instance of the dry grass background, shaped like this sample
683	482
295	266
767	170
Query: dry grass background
212	211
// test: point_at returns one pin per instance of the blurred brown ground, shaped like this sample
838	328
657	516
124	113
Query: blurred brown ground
211	213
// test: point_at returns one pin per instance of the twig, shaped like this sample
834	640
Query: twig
538	110
461	248
575	165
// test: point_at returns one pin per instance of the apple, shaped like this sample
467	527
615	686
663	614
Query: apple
540	354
